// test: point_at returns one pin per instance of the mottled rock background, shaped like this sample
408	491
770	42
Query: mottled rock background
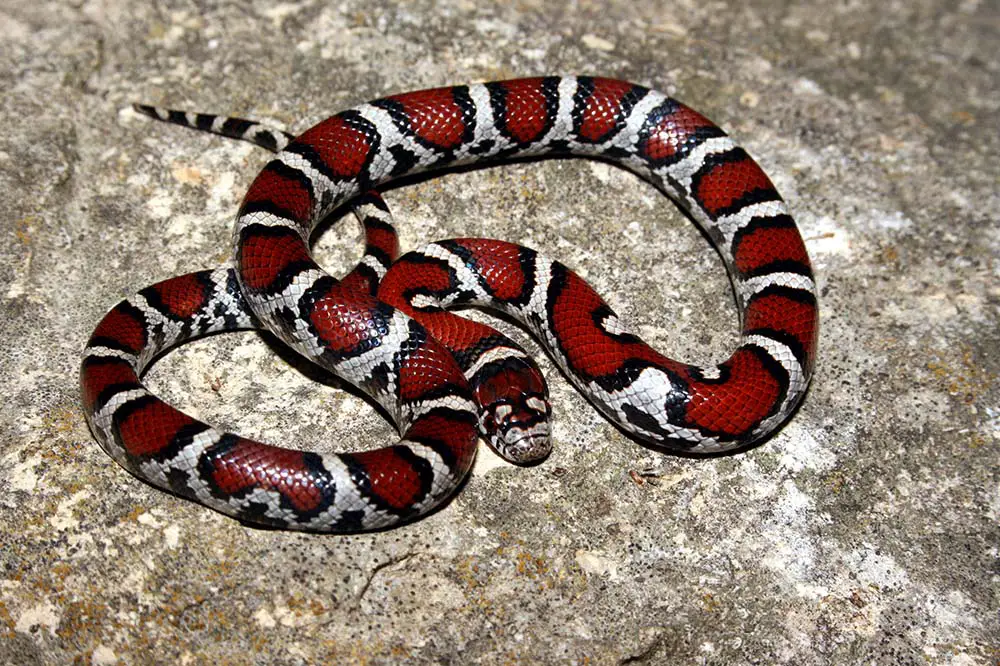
866	531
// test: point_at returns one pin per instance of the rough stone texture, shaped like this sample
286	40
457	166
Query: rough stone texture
866	531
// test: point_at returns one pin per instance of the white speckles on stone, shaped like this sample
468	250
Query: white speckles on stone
596	564
138	180
22	475
14	30
187	174
64	517
811	592
830	238
889	221
19	286
750	99
789	533
43	615
186	228
160	205
496	28
223	190
934	655
82	544
536	54
592	41
279	12
801	451
806	86
168	37
104	656
993	509
148	519
600	170
872	565
171	535
288	615
264	619
697	505
921	407
669	27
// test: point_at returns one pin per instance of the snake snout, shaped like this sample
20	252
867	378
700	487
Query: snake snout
518	429
528	446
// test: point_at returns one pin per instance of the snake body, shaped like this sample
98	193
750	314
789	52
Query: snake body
385	330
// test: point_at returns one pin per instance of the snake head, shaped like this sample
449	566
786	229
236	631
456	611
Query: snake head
514	409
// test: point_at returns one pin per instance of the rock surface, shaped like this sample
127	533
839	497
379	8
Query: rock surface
866	531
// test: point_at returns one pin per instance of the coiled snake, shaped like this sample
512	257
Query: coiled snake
384	327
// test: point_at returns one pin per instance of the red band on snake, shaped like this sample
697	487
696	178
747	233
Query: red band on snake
370	341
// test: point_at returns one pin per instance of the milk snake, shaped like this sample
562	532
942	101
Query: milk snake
359	327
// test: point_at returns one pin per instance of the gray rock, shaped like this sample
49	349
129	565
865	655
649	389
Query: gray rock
866	531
